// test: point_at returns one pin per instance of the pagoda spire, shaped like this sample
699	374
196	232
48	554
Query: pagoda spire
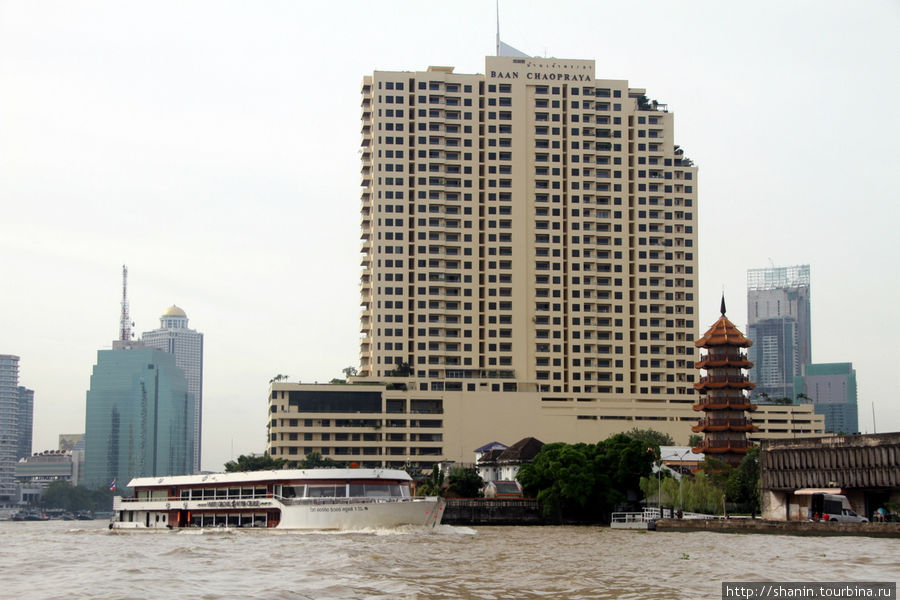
724	401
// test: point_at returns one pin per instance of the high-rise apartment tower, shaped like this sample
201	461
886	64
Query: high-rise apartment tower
175	337
778	313
16	423
530	229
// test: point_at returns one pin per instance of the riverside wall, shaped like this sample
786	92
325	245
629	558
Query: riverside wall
780	527
492	511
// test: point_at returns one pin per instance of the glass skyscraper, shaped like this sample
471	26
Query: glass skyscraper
778	313
174	337
831	387
139	419
16	408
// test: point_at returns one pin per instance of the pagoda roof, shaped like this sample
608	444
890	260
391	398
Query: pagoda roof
723	333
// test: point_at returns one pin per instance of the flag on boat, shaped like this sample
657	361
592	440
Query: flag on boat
112	486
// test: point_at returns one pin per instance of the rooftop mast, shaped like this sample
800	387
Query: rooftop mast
125	323
498	27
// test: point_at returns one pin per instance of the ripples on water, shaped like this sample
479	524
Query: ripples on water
66	560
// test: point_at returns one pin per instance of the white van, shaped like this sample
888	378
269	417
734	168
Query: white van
833	507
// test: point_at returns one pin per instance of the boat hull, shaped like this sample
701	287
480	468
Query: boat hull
319	515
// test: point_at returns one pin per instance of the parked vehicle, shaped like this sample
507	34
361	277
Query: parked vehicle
833	507
848	516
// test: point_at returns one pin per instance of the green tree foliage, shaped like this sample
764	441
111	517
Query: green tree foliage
403	369
61	494
699	493
278	377
465	483
350	371
254	462
742	486
314	460
718	471
695	439
586	481
651	437
433	485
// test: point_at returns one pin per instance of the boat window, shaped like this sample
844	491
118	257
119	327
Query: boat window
185	494
234	492
247	492
209	493
326	491
159	494
143	494
376	490
293	491
221	492
259	492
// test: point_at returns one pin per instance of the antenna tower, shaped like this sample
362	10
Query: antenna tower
498	27
124	320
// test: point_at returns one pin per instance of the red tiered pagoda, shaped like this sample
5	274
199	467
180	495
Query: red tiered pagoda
723	399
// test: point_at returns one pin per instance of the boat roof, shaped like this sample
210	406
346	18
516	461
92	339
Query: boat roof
272	475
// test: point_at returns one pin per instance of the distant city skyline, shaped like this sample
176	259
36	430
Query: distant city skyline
223	168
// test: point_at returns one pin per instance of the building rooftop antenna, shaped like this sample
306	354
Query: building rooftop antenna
498	28
125	323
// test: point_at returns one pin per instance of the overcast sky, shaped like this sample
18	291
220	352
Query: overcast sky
212	147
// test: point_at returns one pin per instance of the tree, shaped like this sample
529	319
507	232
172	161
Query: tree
651	437
350	371
278	377
314	460
61	494
465	482
695	439
742	486
403	369
586	481
433	485
254	462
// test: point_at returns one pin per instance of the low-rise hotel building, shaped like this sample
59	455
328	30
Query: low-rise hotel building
380	427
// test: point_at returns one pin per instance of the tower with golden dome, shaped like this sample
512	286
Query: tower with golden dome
724	390
175	337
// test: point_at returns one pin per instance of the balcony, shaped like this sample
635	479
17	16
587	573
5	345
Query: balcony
739	403
722	446
724	381
712	424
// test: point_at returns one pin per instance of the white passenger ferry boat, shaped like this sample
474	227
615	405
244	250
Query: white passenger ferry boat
283	499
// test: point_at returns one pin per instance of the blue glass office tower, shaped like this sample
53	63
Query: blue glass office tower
831	387
139	419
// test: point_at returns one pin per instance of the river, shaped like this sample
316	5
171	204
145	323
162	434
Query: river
83	559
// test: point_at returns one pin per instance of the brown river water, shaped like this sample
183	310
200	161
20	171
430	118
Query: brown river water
83	559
